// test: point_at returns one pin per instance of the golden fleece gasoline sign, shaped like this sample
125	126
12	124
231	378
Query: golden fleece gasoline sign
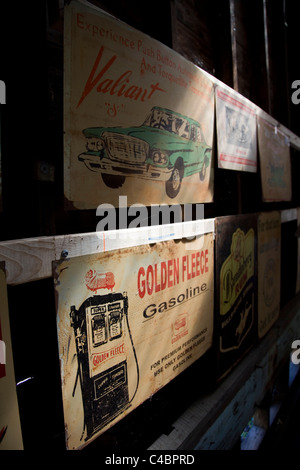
129	321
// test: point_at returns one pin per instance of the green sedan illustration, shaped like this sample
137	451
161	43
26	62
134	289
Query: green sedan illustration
166	147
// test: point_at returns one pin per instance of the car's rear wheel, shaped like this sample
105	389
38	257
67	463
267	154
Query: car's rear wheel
113	181
173	184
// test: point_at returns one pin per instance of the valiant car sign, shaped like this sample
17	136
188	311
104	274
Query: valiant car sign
139	117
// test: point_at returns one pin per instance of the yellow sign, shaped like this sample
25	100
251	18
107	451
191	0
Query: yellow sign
237	270
129	321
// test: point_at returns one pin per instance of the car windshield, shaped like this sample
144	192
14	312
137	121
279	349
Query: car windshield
169	122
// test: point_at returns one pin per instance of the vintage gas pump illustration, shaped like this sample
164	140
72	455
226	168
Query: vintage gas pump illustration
128	322
99	326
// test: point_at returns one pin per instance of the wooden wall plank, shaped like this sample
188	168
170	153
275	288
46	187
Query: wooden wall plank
31	259
192	35
293	138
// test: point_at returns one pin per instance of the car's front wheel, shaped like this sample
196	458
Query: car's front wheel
113	181
173	184
203	171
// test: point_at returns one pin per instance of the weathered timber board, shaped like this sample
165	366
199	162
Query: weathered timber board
30	259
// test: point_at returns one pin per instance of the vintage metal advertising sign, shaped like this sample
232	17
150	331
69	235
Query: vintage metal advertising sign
269	274
10	427
236	131
236	271
129	321
275	162
138	117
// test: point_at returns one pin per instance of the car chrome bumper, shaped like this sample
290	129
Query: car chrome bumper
93	163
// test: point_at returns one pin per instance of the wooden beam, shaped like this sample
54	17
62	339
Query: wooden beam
30	259
233	44
293	138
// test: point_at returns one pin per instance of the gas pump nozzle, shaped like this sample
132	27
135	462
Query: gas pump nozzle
80	336
125	302
73	316
79	339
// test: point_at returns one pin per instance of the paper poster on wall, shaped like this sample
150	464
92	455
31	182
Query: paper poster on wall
138	117
236	131
236	272
10	427
129	321
275	163
269	269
